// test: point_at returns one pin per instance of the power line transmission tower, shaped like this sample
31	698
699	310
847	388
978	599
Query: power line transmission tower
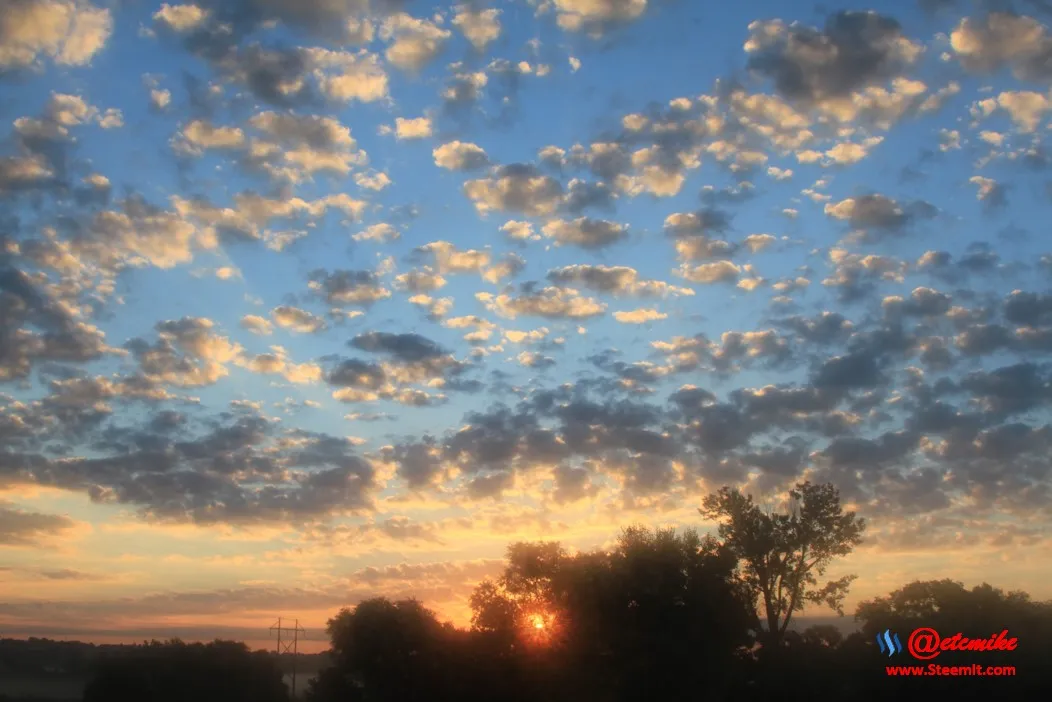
289	646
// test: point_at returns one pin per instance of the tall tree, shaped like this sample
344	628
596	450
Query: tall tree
782	555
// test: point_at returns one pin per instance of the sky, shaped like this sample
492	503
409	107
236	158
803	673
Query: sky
306	301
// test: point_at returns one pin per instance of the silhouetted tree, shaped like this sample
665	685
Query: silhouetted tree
669	616
949	608
388	651
659	616
782	555
222	671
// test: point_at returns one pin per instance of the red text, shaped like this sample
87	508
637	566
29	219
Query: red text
925	643
952	670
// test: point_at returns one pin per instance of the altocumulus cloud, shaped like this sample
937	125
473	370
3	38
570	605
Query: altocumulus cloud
332	269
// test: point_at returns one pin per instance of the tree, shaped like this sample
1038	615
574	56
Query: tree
222	671
386	651
783	555
658	616
391	650
949	608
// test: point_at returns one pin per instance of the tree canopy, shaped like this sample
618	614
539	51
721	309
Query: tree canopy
782	555
173	671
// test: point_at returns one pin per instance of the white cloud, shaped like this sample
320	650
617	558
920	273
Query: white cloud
595	15
1026	108
713	272
70	32
414	42
460	156
585	232
181	18
519	231
375	182
480	27
198	135
639	316
256	325
415	128
344	76
160	99
380	233
296	319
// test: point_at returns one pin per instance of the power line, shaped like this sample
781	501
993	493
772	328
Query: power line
289	647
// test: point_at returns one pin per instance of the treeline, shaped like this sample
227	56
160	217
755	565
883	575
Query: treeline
661	616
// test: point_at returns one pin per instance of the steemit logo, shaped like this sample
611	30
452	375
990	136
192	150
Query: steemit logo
889	643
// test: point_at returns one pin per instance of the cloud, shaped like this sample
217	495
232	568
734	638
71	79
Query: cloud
585	232
237	472
550	302
181	18
508	267
380	233
343	76
277	362
198	135
519	231
464	90
407	359
414	43
714	272
460	156
187	353
256	325
406	347
1026	108
515	188
279	76
69	32
302	321
23	528
639	316
348	287
912	376
877	215
424	280
532	359
294	147
38	326
480	27
706	221
413	128
448	259
1000	39
990	192
617	280
595	16
815	68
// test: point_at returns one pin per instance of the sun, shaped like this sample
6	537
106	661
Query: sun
538	622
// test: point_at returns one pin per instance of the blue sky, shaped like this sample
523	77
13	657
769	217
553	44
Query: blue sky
371	289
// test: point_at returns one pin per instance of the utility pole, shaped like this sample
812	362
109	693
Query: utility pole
289	646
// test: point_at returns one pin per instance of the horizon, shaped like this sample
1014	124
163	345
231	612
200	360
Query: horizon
303	303
251	638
